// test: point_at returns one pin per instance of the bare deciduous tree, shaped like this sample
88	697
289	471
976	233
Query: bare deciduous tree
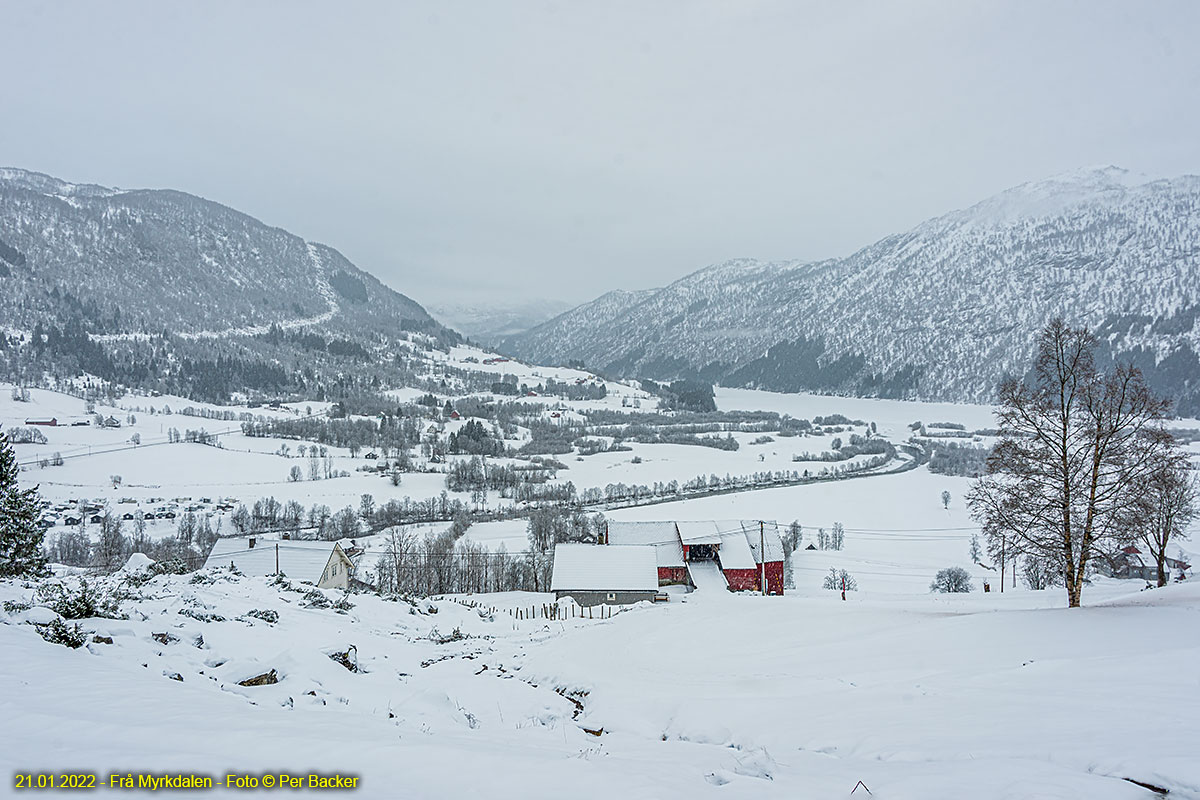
1075	443
839	580
111	548
951	579
1166	504
837	536
1039	571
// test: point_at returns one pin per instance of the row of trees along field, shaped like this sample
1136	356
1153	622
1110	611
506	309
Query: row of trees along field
413	565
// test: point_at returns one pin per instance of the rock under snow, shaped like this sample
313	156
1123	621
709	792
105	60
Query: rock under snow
138	564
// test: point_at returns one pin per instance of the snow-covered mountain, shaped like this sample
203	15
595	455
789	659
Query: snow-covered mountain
939	312
170	292
145	261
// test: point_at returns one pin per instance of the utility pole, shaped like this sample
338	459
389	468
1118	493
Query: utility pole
1002	543
277	558
762	556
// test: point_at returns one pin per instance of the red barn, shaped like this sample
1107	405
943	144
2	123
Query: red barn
736	560
769	537
735	547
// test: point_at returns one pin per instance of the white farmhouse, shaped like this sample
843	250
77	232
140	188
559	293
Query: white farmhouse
324	564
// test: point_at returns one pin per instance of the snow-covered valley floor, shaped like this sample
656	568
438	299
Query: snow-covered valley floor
710	695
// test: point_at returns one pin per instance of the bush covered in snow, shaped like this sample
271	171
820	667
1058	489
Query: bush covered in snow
59	632
316	599
16	606
201	615
80	601
839	579
951	579
455	635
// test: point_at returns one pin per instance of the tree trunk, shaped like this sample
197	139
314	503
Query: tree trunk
1069	579
1074	591
1160	559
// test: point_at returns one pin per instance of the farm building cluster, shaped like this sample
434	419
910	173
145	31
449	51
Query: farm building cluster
634	560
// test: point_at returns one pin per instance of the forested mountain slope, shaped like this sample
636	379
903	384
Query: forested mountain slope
143	286
940	312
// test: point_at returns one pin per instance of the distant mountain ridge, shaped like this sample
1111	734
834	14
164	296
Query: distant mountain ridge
492	321
154	258
139	286
940	312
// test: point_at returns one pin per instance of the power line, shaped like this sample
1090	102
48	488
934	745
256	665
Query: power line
911	534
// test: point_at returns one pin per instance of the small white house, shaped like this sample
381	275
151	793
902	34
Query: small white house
324	564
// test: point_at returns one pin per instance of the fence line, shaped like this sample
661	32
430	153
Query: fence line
556	611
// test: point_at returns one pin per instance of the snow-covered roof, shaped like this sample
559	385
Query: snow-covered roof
699	532
304	561
735	551
605	568
770	533
662	535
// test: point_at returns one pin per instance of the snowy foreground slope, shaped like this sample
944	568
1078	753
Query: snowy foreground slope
710	695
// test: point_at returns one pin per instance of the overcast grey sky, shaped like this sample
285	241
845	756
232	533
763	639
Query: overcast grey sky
474	150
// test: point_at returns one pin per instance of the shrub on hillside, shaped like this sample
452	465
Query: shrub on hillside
84	601
59	632
839	579
951	579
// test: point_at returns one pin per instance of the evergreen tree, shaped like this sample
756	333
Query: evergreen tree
21	532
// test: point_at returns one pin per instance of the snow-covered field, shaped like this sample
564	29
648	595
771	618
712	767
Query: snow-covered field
710	695
155	472
898	535
509	533
892	416
244	469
